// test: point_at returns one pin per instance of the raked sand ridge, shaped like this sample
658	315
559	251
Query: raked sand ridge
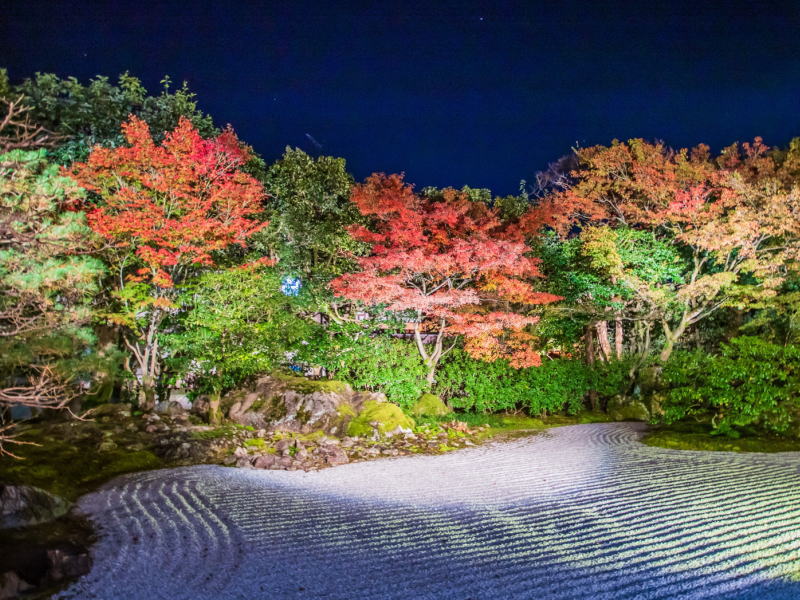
582	512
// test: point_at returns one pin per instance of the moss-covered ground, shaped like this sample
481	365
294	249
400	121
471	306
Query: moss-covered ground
506	425
692	436
67	460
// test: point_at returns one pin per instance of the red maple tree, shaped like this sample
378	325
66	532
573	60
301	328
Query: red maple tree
172	204
163	210
450	264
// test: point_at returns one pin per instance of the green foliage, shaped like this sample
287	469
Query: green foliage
47	280
310	212
378	363
511	208
234	324
777	318
473	385
609	378
752	382
604	266
93	113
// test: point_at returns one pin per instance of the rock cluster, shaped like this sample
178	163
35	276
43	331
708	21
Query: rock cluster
293	453
283	402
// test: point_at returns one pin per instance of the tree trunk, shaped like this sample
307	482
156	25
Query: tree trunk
618	333
431	376
147	393
431	359
214	413
589	342
602	339
672	337
146	353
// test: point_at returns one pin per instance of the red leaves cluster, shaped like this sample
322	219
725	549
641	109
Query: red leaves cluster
175	203
448	259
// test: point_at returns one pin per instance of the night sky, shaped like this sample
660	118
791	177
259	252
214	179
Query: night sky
452	93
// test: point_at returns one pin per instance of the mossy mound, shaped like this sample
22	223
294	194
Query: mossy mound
621	408
386	415
430	405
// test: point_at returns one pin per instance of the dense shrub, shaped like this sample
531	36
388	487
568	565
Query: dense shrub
376	363
610	378
469	384
752	382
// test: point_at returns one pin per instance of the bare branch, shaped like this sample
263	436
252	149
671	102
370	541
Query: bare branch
18	132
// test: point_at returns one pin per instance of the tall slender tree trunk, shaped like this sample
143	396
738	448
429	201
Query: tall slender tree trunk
601	327
145	351
618	334
589	343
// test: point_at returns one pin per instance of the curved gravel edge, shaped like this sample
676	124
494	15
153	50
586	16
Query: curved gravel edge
576	512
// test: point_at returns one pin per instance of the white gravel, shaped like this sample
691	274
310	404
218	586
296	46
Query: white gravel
583	512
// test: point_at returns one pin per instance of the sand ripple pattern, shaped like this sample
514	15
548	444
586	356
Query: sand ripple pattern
583	512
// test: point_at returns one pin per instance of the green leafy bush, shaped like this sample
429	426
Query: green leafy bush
751	383
556	386
377	363
611	378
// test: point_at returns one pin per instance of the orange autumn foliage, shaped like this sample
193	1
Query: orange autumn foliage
171	204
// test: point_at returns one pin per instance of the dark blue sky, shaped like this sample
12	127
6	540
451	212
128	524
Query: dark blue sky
452	93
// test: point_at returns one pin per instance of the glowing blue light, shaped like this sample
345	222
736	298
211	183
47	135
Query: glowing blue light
291	285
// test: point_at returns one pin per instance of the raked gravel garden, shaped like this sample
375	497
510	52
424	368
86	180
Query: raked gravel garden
577	512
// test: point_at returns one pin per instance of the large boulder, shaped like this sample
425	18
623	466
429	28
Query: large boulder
622	408
283	402
381	418
649	379
23	505
429	405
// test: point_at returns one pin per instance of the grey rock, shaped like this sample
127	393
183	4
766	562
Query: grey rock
265	461
283	445
11	586
171	407
64	565
295	404
334	455
22	505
